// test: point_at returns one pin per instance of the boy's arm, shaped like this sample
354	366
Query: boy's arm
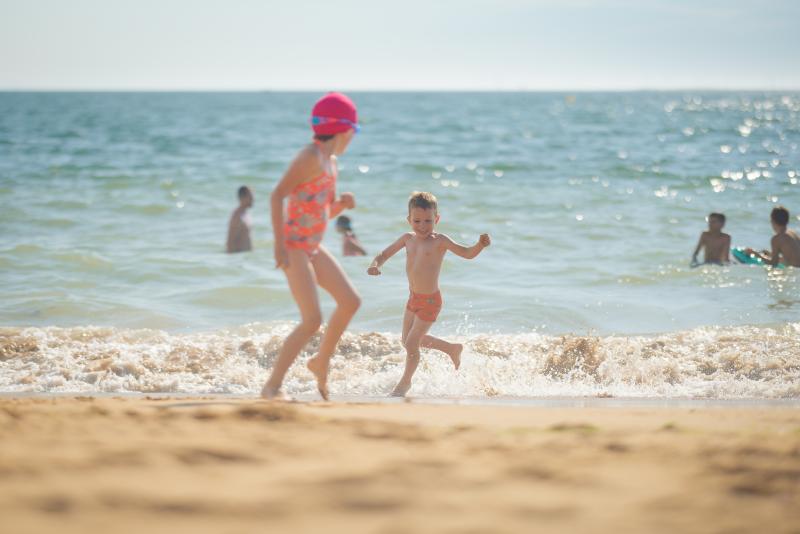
770	258
726	254
698	248
774	258
305	164
467	252
388	252
233	232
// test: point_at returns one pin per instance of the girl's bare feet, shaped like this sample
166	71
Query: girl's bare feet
400	390
320	371
455	354
272	393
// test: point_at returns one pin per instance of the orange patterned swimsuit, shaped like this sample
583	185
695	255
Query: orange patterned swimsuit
308	211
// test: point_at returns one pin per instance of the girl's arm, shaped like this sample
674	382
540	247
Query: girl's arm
388	252
467	252
345	202
305	164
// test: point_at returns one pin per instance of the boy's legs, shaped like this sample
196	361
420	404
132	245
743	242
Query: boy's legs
451	349
432	342
303	286
408	320
413	338
332	279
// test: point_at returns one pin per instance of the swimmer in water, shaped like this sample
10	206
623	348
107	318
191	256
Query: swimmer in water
717	244
351	246
239	225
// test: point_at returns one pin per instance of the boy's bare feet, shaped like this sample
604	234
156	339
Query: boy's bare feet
400	390
455	354
320	371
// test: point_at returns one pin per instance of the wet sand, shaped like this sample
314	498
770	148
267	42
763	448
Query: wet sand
234	465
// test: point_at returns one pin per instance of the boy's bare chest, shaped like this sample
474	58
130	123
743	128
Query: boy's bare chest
424	252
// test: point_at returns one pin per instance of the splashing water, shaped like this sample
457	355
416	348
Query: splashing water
714	362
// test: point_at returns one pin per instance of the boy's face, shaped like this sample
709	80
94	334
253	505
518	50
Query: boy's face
423	221
247	200
715	224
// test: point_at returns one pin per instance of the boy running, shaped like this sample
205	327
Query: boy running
425	250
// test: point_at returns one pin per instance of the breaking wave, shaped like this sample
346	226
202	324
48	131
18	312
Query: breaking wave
711	362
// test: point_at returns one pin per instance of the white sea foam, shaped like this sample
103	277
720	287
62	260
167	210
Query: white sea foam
717	362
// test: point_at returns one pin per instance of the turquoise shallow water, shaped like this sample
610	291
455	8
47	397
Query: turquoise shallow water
114	206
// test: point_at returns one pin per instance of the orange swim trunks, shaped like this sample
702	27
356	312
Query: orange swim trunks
426	307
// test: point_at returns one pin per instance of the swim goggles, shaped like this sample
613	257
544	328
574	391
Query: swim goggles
328	120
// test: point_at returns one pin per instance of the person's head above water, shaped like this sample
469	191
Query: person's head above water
343	224
423	212
245	196
779	218
334	118
716	221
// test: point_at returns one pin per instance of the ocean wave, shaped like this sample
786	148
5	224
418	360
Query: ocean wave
711	362
145	209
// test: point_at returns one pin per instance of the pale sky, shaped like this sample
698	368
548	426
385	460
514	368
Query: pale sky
401	45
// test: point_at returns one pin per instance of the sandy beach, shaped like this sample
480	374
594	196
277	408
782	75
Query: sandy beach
509	267
232	465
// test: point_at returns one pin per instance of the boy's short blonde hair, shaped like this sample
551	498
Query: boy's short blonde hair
423	200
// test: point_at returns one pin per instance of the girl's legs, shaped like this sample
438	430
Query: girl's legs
332	279
303	286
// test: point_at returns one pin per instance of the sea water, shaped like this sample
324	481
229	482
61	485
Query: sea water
114	210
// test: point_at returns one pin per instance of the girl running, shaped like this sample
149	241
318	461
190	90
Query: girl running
310	187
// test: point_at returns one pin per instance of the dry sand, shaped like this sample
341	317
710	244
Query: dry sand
219	465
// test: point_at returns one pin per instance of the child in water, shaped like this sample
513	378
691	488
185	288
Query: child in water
351	246
239	225
717	244
310	186
785	243
425	250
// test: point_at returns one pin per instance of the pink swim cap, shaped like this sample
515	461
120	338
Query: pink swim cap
334	113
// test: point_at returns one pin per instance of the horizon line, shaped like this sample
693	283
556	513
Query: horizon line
400	90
